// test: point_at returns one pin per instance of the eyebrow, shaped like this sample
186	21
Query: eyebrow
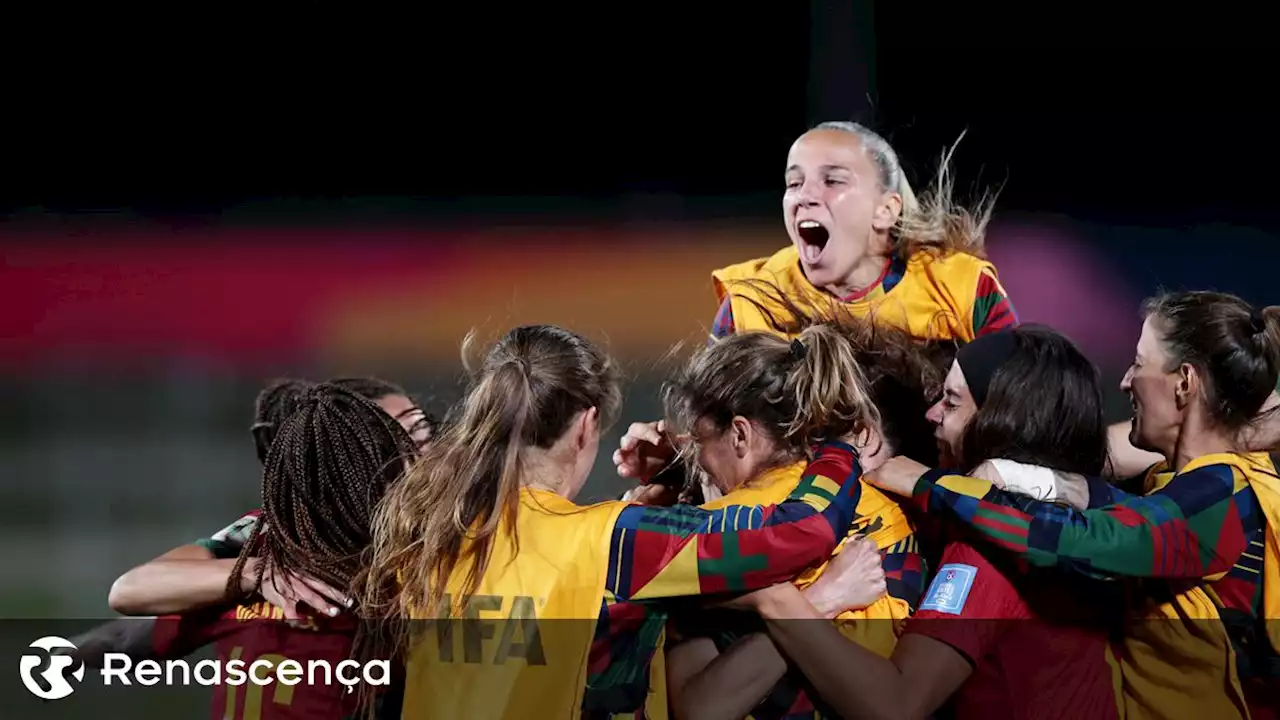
825	168
951	392
409	411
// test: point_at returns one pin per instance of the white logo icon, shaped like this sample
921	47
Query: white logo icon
54	674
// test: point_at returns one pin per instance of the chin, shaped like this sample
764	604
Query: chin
820	276
946	459
1141	441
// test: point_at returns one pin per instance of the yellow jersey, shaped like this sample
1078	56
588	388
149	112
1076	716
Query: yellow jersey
550	630
956	296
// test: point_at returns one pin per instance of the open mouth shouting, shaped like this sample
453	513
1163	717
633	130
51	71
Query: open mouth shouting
813	240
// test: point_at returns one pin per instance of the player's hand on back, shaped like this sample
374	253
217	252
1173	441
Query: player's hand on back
288	592
853	581
661	495
898	475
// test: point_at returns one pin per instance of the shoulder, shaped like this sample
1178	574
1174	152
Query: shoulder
554	505
960	277
780	261
967	584
957	263
1199	487
992	470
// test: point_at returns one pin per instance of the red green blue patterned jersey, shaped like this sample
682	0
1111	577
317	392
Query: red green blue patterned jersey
1200	524
1204	522
659	553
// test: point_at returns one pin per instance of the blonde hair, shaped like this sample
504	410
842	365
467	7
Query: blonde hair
799	392
903	374
446	511
932	222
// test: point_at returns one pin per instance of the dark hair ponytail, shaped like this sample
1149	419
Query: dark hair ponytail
1235	347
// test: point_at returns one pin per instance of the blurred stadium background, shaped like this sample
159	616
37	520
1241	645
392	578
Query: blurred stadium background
355	213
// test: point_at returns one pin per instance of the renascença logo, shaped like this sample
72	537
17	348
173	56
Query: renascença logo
120	668
54	675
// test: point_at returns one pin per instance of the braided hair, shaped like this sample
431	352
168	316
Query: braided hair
371	388
376	388
329	465
274	404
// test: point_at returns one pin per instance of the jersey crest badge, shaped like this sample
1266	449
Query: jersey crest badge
950	589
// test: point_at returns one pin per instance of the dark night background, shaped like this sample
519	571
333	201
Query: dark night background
1112	112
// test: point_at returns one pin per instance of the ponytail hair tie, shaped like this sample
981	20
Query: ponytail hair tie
798	350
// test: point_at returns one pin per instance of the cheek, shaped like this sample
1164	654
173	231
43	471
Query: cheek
717	461
1148	389
711	460
952	429
849	205
957	420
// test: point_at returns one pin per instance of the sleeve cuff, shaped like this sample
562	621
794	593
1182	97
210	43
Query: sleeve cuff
221	550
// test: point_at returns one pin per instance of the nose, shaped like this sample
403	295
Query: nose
934	414
1126	382
809	194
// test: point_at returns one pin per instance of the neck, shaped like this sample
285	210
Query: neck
865	273
762	469
545	472
1196	442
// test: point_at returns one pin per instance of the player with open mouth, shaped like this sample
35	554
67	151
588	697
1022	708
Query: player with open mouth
861	238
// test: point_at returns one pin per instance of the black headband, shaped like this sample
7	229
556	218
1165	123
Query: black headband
980	359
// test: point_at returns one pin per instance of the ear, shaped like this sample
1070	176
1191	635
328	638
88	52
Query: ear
872	448
586	427
887	211
740	436
1186	385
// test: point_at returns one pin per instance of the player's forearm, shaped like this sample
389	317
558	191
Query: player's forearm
798	534
1264	434
1184	520
1123	459
168	585
131	636
854	681
734	683
739	548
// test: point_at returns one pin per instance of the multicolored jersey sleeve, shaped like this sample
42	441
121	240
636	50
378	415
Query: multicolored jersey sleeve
723	326
992	310
662	552
226	543
904	572
1193	527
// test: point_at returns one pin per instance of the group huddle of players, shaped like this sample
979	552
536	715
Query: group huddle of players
873	493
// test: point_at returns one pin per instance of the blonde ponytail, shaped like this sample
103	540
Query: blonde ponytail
797	392
466	484
830	390
932	221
